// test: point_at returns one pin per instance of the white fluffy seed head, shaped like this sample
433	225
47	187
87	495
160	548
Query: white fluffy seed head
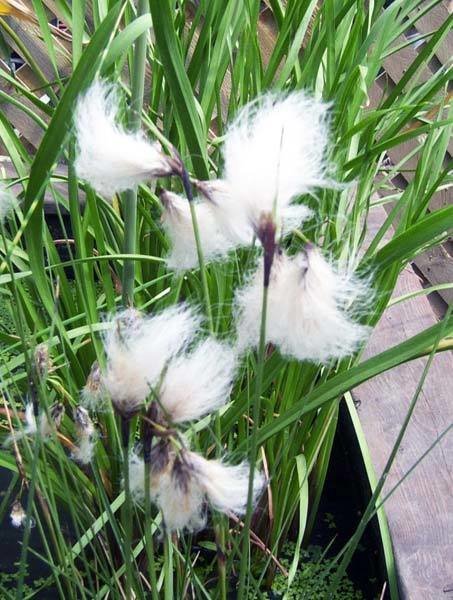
226	486
234	219
30	427
86	436
273	152
30	419
110	158
83	452
194	482
18	515
311	306
198	383
177	222
174	489
136	477
93	395
157	474
181	498
47	424
187	483
138	351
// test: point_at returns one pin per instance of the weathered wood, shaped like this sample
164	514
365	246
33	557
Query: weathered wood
420	512
7	171
432	21
396	64
30	36
437	266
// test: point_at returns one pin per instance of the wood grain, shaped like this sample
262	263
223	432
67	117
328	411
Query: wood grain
431	21
420	512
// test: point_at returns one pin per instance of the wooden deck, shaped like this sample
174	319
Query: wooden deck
420	512
435	265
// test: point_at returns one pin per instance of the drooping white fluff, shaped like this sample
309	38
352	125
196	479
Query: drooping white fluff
46	424
311	306
226	486
187	483
273	152
93	395
110	158
137	476
175	491
7	201
30	424
18	516
138	350
198	383
86	436
292	217
177	222
195	482
84	451
180	498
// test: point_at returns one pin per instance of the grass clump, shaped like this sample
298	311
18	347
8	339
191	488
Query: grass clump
215	291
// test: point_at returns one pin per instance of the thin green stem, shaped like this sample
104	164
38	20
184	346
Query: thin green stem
253	446
29	509
126	515
201	261
221	557
130	197
168	566
149	542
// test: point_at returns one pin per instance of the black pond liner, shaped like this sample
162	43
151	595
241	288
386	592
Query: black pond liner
346	495
60	227
11	544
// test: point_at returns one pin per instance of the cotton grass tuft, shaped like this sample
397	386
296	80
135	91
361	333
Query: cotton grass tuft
189	483
177	222
311	305
273	152
138	350
110	158
198	383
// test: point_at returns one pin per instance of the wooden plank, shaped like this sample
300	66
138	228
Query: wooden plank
7	171
432	21
25	125
437	266
398	153
27	128
31	38
420	512
396	64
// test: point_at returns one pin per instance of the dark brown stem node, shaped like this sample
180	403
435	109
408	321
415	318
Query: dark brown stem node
266	234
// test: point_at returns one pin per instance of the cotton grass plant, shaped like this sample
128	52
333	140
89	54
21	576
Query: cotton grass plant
219	292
